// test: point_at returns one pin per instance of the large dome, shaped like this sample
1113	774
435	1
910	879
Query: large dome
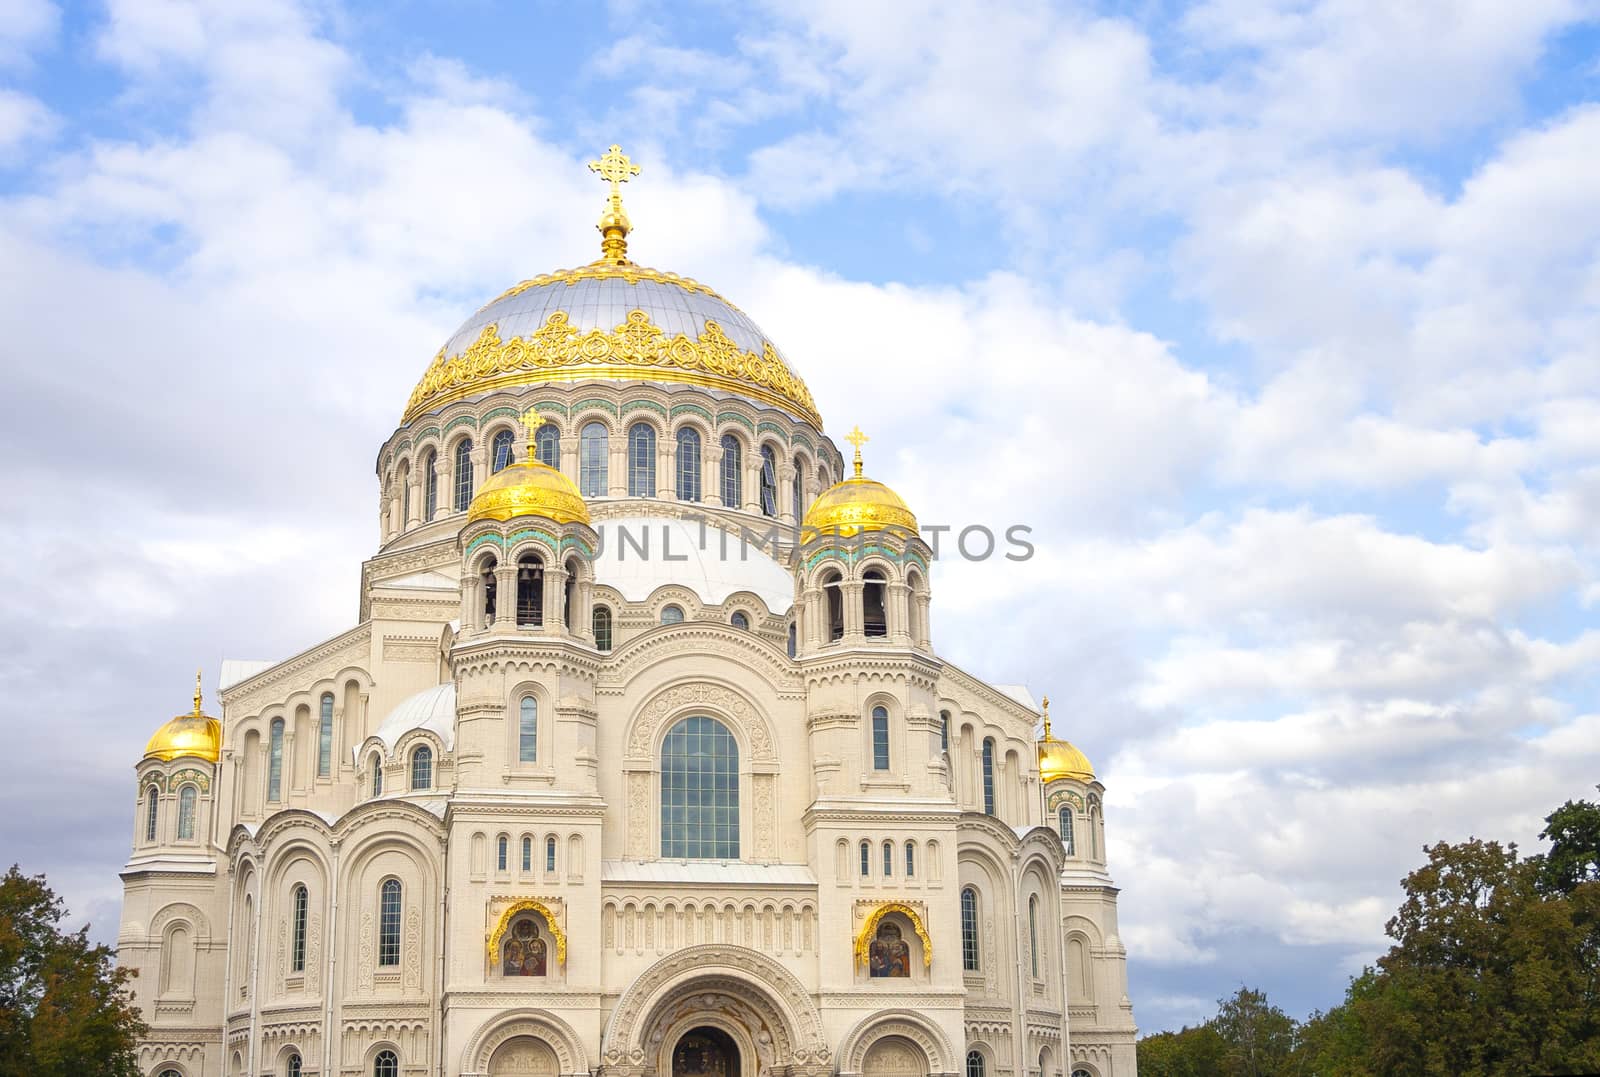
611	322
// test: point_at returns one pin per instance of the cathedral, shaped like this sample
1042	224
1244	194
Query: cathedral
638	760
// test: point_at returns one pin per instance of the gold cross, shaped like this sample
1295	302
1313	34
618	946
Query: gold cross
858	439
1046	717
533	421
615	167
197	693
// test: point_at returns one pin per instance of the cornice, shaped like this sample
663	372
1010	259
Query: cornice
235	695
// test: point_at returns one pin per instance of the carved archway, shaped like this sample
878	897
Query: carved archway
746	994
905	1025
519	1024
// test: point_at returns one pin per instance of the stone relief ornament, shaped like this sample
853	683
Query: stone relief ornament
414	950
687	696
366	952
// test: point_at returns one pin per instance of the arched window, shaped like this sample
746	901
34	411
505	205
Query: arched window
769	482
430	485
688	464
641	460
911	860
549	854
602	628
422	768
530	591
463	485
186	800
969	929
500	451
325	737
528	731
888	859
833	594
527	853
547	446
275	760
405	495
732	472
866	858
1081	1073
672	615
502	848
700	791
794	639
1033	934
1094	835
593	445
170	1073
1064	821
798	493
297	949
988	775
388	1065
389	923
490	582
739	620
377	774
569	593
874	610
944	731
880	738
293	1069
974	1064
151	798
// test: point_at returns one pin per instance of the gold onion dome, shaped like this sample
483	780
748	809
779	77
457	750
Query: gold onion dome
611	320
528	488
856	505
193	734
1059	759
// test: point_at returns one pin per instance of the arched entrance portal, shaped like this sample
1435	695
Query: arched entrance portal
705	1051
523	1055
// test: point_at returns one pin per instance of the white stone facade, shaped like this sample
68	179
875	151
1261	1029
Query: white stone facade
261	936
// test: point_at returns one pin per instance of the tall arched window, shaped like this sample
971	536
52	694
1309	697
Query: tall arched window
874	608
797	496
186	802
888	859
530	591
489	581
969	929
833	595
866	858
405	495
297	947
528	731
593	445
944	731
700	791
422	768
1033	934
549	854
502	852
569	594
170	1073
740	620
151	797
1081	1073
602	628
1064	821
547	446
641	460
769	482
527	853
463	486
325	736
275	760
377	774
974	1064
389	923
880	738
387	1064
672	615
500	451
293	1068
732	472
988	775
1094	835
911	860
794	640
430	485
688	464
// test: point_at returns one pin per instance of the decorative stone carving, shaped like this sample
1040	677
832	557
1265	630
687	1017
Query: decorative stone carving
671	702
766	839
413	978
365	958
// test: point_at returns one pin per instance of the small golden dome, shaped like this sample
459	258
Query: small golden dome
857	504
1060	759
529	488
193	734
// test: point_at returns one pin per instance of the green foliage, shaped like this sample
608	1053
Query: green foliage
1495	969
64	1007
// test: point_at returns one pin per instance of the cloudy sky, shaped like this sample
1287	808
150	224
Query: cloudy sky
1277	321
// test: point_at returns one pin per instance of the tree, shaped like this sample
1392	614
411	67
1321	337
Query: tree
65	1008
1192	1052
1249	1037
1573	831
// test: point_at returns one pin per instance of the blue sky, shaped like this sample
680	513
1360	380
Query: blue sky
1276	321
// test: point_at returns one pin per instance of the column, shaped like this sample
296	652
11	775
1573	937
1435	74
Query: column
505	596
441	486
555	591
899	612
924	633
666	471
787	477
711	471
617	465
854	629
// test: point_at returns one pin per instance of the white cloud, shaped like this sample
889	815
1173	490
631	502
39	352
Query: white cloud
25	26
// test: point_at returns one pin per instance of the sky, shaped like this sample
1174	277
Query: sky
1278	323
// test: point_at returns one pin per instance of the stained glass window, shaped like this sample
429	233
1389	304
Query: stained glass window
641	460
593	445
389	923
688	464
700	791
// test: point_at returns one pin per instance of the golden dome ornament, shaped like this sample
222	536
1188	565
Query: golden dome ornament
857	505
195	734
1058	759
528	488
